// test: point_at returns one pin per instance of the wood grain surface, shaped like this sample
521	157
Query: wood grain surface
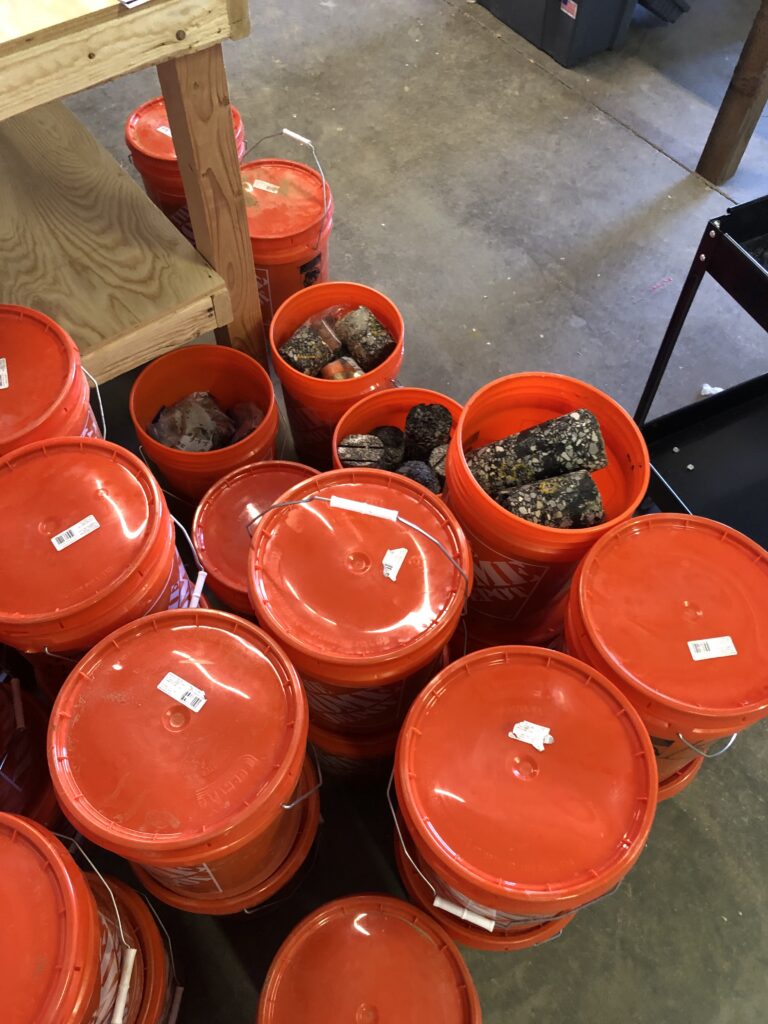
80	241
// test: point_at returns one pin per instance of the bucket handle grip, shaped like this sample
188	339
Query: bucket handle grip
706	753
314	789
202	575
95	383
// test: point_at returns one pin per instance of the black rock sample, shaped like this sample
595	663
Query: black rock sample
426	428
361	450
366	338
437	459
393	440
306	351
567	502
422	473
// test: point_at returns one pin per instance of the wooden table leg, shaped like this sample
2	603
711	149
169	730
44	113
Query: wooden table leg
741	109
196	96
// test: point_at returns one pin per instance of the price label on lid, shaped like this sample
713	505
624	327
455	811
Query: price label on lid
714	647
164	130
3	374
261	186
75	533
538	736
185	693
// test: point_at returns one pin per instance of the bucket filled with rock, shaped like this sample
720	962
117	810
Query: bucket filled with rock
403	430
331	345
202	411
540	467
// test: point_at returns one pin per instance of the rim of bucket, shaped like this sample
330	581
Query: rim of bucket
290	635
251	813
326	295
218	904
399	396
351	911
265	170
22	318
151	116
359	747
586	882
209	507
551	534
75	975
157	512
203	461
680	780
730	713
468	934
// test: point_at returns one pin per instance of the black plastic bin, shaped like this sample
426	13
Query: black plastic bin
568	30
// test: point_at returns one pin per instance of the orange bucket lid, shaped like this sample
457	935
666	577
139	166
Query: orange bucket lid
675	606
39	363
49	942
147	130
80	516
220	528
406	969
283	198
174	730
502	773
317	579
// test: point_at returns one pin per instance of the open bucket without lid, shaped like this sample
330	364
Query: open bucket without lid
520	567
700	590
406	969
230	376
364	636
25	785
289	223
315	405
188	741
49	943
43	390
148	137
527	786
224	519
87	544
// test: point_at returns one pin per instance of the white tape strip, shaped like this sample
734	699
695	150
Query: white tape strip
197	593
364	508
129	958
466	915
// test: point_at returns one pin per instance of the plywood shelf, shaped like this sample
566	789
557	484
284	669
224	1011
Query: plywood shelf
80	241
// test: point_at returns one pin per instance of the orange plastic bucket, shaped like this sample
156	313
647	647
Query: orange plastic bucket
364	643
680	780
223	522
493	757
205	723
315	405
308	802
151	987
353	757
25	785
387	408
148	137
87	545
230	376
672	609
290	228
49	942
521	567
545	629
43	390
406	969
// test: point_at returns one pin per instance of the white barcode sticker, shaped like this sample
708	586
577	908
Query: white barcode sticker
3	374
392	562
538	736
75	533
185	693
262	186
714	647
164	130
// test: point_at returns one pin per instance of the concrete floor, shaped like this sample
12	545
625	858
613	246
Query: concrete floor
523	217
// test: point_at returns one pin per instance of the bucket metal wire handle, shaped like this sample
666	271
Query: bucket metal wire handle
314	789
21	725
173	1011
706	753
129	959
304	141
202	575
95	383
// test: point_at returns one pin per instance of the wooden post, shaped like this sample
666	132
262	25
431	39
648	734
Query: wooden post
196	96
741	108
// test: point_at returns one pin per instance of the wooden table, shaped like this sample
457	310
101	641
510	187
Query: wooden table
79	239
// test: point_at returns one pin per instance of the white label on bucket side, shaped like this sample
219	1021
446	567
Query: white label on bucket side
3	374
75	533
392	562
164	130
262	186
538	736
185	693
715	647
364	508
